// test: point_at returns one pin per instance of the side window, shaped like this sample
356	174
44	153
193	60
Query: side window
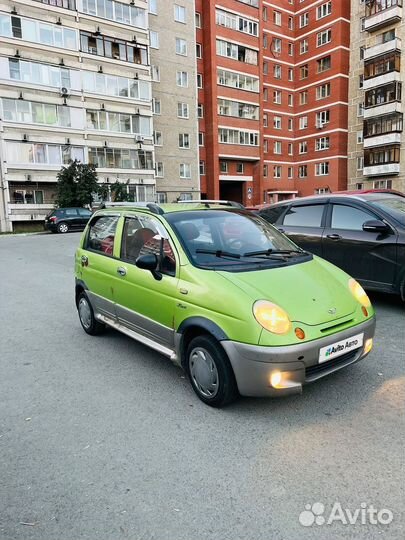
304	216
70	212
272	214
84	213
102	234
349	218
142	236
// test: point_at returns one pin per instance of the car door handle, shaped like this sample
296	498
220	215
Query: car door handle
334	236
84	260
121	271
280	229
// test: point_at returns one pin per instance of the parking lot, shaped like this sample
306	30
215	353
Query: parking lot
102	438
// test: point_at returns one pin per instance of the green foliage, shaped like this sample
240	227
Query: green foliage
76	184
119	192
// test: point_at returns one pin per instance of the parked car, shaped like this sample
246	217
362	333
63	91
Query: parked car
223	294
63	220
362	233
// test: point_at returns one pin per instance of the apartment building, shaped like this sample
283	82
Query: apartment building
75	83
377	72
174	89
273	87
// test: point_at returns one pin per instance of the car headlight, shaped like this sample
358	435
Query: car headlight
359	293
272	317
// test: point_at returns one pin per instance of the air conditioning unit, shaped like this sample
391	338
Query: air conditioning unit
139	138
64	92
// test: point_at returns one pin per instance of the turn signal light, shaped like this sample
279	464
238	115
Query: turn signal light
364	310
299	332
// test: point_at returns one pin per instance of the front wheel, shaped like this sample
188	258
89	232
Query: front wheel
86	315
210	372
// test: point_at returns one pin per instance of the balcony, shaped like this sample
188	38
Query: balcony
381	140
382	13
387	169
380	110
383	48
67	4
29	212
380	80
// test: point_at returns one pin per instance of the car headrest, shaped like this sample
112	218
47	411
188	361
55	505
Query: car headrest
188	231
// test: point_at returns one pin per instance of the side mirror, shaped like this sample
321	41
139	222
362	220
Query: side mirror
376	225
149	262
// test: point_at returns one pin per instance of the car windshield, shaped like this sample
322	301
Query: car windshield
395	206
233	240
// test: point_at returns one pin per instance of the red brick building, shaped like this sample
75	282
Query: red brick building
273	92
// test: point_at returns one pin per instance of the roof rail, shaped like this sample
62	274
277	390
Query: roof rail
152	206
207	202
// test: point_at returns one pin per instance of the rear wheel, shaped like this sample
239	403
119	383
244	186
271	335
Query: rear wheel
86	315
62	227
210	372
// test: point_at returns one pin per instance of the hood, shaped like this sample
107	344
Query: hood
313	292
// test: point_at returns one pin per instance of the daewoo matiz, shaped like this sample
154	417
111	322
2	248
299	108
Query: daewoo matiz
223	294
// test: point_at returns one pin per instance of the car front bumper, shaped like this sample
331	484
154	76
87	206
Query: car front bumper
299	364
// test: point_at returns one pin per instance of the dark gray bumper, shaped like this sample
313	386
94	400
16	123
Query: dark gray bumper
254	364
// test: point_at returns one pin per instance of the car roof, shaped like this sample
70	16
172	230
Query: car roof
362	196
169	208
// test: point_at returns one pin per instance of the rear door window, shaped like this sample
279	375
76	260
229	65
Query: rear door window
70	212
101	234
84	213
304	216
272	214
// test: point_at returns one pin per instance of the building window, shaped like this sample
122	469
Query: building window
304	19
156	106
290	172
322	118
153	7
184	140
154	39
223	166
155	73
185	170
198	50
360	109
322	144
236	22
265	120
277	96
182	110
304	97
290	124
382	184
360	164
290	100
111	10
32	112
237	52
323	64
227	107
197	19
304	71
290	49
324	10
381	65
237	80
303	122
324	37
277	18
101	120
323	91
277	171
181	46
382	155
200	138
202	167
276	45
240	168
159	169
179	13
303	147
265	170
200	110
277	122
277	71
277	149
239	137
118	49
290	149
182	78
392	123
361	80
157	138
302	171
199	80
322	169
359	137
303	46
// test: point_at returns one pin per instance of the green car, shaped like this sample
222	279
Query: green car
223	294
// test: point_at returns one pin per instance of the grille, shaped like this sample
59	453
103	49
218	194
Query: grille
331	365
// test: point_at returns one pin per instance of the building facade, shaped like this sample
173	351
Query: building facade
75	83
273	88
377	72
174	89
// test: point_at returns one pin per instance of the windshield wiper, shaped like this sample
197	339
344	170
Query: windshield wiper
269	252
218	253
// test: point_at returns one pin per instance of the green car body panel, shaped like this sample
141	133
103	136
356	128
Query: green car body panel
314	293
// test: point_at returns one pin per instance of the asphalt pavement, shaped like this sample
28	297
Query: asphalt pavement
104	439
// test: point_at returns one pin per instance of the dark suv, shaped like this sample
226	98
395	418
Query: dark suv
364	234
62	220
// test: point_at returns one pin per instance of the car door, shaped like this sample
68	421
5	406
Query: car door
304	224
71	217
369	257
145	304
97	265
84	216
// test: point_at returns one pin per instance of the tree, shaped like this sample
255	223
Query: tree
76	184
119	192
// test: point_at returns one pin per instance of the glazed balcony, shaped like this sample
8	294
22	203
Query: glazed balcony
382	160
66	4
383	48
380	13
380	110
381	140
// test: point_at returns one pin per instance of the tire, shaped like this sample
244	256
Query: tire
210	372
62	227
86	316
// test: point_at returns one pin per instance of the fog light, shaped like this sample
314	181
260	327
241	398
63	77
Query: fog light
364	310
299	332
368	345
275	378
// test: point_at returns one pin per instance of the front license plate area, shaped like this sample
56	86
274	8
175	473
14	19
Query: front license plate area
340	347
